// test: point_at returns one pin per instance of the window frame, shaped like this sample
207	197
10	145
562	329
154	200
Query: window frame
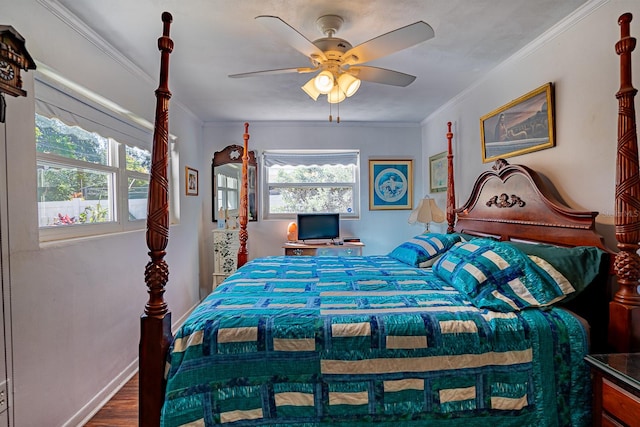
118	187
328	153
81	230
120	131
126	174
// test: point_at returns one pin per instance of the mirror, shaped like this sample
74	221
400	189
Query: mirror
226	172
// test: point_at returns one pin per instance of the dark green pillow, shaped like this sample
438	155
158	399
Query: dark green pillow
581	265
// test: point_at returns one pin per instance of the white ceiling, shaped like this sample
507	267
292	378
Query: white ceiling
215	38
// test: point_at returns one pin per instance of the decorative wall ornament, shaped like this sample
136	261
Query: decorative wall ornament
390	184
499	164
503	201
13	58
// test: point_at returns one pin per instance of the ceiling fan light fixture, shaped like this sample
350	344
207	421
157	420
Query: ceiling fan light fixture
310	89
348	83
339	64
336	95
324	82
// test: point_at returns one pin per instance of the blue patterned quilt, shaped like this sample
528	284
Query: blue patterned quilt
312	341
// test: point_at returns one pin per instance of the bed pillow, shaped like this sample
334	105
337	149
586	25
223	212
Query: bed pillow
464	237
424	249
498	276
581	265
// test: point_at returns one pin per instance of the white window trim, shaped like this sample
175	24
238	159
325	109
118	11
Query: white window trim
58	91
339	156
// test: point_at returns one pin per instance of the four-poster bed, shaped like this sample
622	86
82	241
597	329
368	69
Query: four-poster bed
348	325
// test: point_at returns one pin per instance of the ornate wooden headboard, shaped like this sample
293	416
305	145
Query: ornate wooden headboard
513	202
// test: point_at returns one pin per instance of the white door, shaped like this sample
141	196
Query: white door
5	330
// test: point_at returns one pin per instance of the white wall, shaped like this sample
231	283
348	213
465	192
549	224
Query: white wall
581	62
379	230
76	304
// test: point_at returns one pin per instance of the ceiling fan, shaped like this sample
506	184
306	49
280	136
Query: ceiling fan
338	63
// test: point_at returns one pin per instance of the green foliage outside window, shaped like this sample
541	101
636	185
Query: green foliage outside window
66	183
316	189
55	137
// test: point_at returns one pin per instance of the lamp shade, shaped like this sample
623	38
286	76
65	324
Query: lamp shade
426	212
324	82
437	215
348	83
336	95
310	89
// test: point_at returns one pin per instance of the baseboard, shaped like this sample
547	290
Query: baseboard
99	400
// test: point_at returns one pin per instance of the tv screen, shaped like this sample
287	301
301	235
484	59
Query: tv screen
318	226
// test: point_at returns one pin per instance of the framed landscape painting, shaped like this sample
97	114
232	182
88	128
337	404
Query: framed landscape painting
390	184
438	168
522	126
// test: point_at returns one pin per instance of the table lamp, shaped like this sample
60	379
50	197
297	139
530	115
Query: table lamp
292	232
426	212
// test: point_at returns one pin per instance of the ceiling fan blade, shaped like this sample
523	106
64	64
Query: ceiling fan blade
273	72
382	75
291	36
391	42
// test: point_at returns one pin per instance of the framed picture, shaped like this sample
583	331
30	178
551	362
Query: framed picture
191	181
390	184
522	126
438	169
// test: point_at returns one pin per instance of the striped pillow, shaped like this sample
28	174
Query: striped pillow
423	250
500	277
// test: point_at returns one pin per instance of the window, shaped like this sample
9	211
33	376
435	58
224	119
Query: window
311	181
92	167
137	171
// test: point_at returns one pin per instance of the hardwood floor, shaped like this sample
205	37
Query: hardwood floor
122	410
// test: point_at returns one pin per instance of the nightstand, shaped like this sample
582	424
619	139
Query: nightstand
616	388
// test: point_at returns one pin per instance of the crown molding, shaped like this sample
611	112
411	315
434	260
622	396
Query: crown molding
559	28
80	27
73	22
562	26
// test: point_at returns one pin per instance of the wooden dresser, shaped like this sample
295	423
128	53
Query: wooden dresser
616	389
345	249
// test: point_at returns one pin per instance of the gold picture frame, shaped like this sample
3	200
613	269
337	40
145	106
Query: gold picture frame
390	184
522	126
191	181
438	169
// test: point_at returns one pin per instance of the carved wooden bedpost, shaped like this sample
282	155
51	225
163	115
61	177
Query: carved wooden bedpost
155	323
243	215
451	192
624	316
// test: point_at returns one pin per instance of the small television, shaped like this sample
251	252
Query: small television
317	226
